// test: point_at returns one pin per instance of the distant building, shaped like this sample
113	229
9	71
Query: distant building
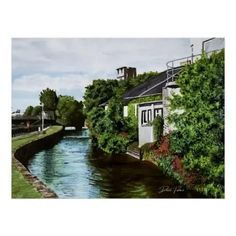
126	72
17	113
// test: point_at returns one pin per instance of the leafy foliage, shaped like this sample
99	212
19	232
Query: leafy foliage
111	127
199	134
69	112
134	81
132	119
95	117
28	111
112	131
49	98
113	143
99	92
158	123
37	110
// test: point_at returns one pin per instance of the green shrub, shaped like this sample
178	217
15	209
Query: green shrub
199	134
158	124
109	129
112	143
148	156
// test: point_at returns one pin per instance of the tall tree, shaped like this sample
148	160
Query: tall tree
49	98
99	92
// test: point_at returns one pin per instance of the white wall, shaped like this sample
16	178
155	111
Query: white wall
214	44
145	132
125	111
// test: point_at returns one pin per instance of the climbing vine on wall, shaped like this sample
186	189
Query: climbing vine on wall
158	124
109	129
133	119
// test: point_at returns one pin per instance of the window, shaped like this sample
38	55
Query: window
146	117
158	111
143	117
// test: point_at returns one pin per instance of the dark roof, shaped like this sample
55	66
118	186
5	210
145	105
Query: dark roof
153	86
150	87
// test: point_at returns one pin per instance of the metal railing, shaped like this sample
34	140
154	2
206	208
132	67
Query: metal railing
174	66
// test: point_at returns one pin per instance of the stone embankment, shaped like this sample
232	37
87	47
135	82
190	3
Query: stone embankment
22	154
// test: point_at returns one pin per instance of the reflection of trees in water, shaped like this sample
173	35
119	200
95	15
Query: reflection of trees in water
125	179
51	164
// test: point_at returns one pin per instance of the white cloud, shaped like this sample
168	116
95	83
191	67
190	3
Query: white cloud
37	82
33	56
67	65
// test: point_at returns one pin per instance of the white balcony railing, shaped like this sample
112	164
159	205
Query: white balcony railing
174	66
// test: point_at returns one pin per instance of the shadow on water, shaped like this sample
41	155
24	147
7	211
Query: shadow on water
73	170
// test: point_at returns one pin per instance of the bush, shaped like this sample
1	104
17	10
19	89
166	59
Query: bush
148	156
158	123
112	143
199	134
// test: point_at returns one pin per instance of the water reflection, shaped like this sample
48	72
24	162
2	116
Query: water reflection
73	170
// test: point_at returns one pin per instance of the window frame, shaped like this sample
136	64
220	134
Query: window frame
143	117
156	111
146	117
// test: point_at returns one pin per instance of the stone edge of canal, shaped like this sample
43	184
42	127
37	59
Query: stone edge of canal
23	153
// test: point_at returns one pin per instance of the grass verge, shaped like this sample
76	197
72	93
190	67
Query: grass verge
21	188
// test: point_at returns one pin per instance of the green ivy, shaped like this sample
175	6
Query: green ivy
199	134
163	162
145	99
133	120
109	129
158	124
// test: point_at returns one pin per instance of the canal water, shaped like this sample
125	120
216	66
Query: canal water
73	170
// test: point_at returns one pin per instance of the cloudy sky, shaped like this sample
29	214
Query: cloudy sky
68	65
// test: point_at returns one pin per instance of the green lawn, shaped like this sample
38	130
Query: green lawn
27	138
21	188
